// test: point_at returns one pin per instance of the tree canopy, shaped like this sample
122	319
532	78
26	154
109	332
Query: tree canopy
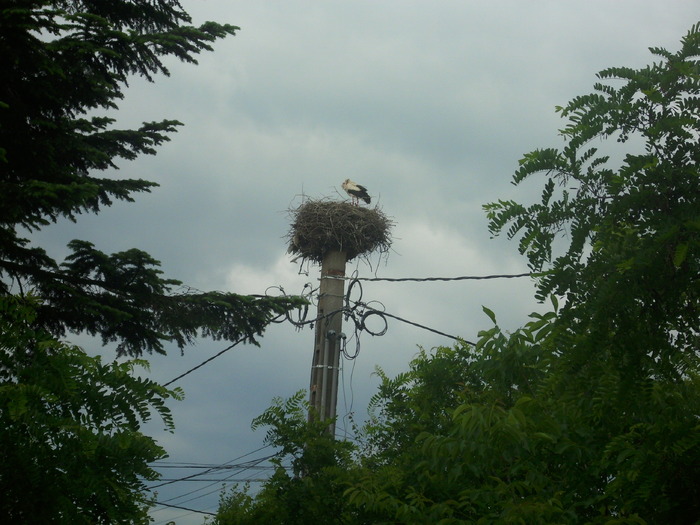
310	469
71	446
65	65
628	218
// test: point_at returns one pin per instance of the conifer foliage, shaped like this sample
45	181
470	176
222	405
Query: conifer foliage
72	448
64	65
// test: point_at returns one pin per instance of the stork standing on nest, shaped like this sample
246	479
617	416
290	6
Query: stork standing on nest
355	191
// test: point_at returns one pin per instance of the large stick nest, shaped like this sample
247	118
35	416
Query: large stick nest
322	226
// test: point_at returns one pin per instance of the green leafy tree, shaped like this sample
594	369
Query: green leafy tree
313	471
64	65
630	276
446	441
590	413
423	397
629	219
71	449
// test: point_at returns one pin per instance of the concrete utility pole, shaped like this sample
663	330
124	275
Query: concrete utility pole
328	338
332	233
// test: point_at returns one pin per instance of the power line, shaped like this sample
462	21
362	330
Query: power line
184	508
359	312
365	312
297	324
209	466
253	480
460	339
217	483
461	278
355	310
243	466
205	362
158	463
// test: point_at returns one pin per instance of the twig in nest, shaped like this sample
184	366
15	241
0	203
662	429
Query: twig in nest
321	226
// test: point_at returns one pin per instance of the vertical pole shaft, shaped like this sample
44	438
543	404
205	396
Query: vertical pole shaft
335	364
323	386
326	358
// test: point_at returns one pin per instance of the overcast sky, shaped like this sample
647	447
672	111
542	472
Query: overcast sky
428	104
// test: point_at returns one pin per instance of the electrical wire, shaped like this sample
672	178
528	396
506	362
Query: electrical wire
358	312
217	484
347	418
191	477
216	467
207	466
205	362
184	508
461	278
354	309
456	338
234	480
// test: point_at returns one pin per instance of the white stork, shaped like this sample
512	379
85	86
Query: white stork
355	191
